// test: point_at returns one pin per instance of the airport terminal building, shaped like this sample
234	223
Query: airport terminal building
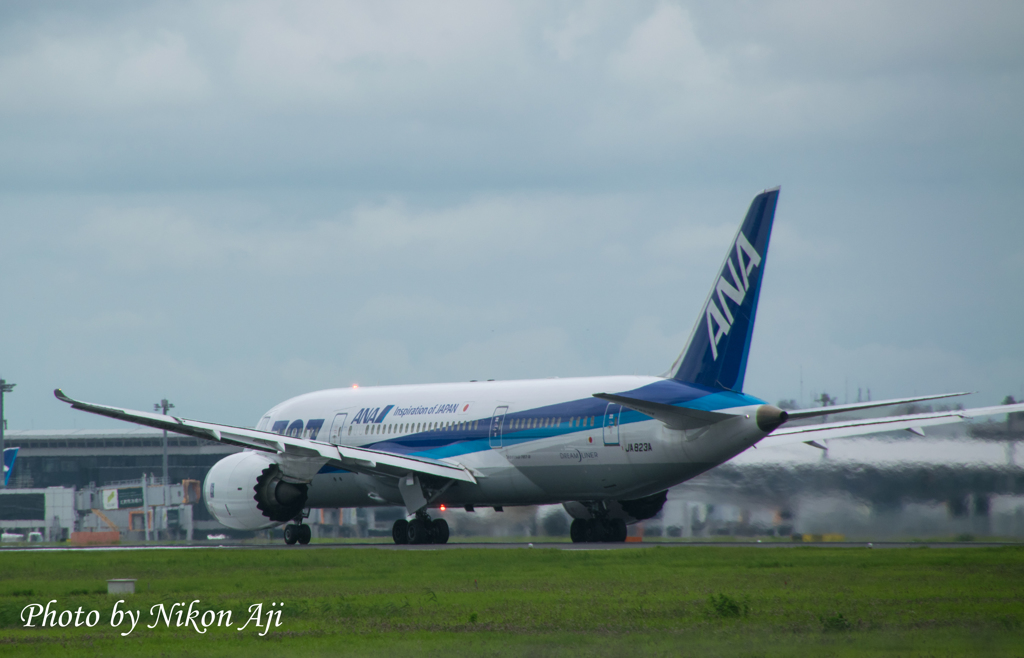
78	458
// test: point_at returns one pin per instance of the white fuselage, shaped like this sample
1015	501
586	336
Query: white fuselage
528	442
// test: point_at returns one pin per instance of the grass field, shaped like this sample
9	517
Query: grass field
692	600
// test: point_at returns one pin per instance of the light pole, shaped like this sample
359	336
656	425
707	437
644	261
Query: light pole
164	406
4	388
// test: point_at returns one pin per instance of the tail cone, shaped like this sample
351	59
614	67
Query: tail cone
770	417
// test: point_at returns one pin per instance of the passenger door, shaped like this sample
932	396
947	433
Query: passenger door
496	422
612	414
336	427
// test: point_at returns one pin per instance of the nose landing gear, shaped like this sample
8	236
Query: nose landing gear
421	530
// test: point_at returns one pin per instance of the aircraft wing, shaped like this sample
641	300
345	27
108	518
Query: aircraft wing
857	406
915	423
358	460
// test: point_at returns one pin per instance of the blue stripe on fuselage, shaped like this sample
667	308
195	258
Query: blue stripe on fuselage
437	444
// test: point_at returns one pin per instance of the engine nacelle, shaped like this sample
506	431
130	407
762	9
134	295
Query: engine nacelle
629	511
247	491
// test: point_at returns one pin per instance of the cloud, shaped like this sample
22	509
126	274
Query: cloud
289	194
96	73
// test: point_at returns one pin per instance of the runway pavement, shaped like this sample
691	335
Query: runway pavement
489	545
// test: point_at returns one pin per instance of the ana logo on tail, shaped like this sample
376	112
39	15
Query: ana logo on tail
720	319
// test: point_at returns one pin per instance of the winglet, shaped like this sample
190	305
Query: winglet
59	394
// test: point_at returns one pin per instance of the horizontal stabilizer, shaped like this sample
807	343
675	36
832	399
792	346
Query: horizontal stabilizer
678	418
357	460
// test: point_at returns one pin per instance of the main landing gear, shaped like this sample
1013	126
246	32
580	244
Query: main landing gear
421	530
297	533
597	530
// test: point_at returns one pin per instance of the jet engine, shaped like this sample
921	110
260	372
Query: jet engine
247	491
629	511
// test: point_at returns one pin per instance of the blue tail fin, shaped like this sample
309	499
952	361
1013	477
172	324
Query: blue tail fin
716	354
9	455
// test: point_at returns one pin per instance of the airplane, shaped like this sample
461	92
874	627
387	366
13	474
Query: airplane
607	448
10	454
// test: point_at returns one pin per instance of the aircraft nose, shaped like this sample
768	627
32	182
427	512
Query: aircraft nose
770	417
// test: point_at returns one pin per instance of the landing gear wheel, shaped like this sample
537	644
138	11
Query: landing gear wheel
578	531
305	534
618	533
400	531
595	530
291	534
440	531
418	533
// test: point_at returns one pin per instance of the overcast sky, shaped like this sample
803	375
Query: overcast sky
227	204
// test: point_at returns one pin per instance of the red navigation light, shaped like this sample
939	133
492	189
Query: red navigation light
443	508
